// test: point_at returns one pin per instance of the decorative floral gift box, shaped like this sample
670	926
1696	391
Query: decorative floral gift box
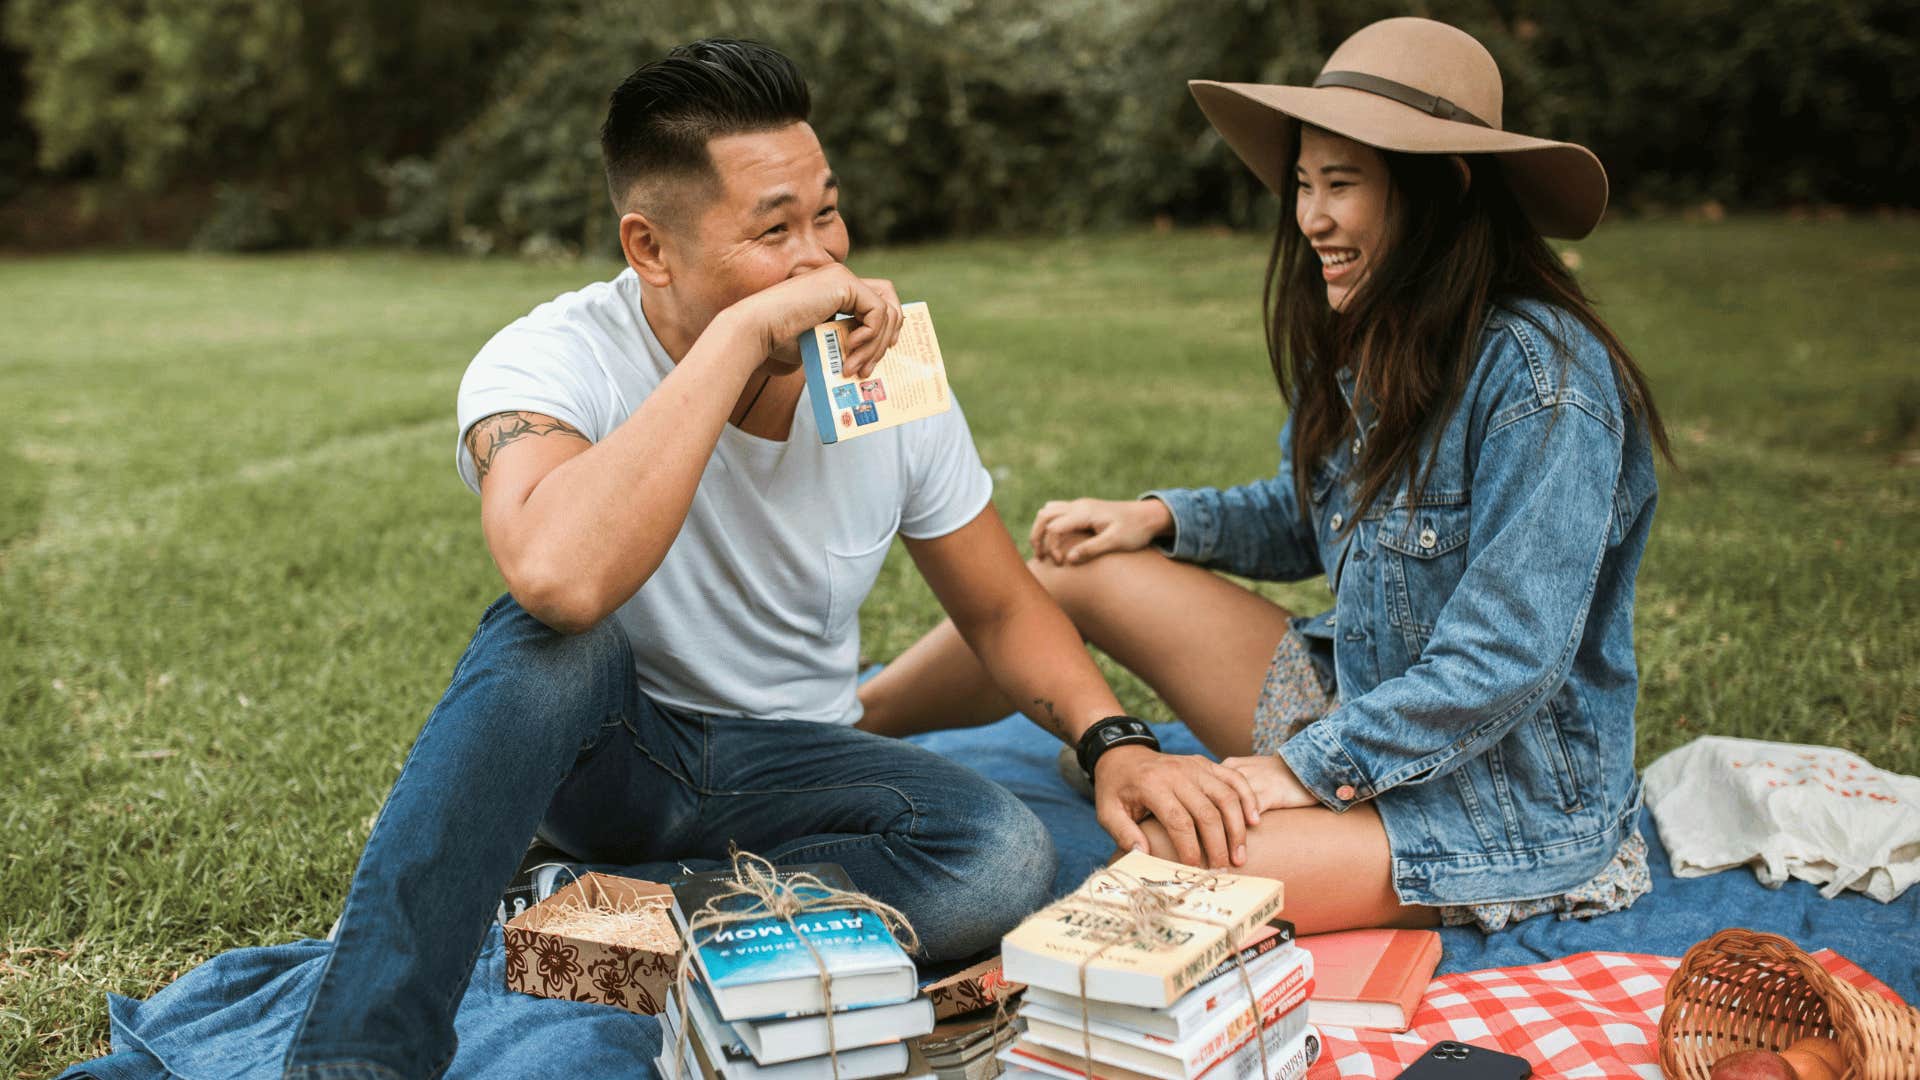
604	939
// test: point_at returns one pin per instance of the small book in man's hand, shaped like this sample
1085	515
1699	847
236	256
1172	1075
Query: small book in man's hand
909	383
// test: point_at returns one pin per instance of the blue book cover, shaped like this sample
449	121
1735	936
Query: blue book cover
850	941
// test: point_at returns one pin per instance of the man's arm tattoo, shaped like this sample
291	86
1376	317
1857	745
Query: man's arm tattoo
487	438
1052	722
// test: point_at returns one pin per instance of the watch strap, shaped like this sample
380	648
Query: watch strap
1108	733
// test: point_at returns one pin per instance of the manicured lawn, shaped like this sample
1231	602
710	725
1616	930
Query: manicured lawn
236	566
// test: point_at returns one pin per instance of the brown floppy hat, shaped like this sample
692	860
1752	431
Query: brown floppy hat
1418	87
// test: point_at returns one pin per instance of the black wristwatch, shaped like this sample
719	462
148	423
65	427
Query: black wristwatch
1106	734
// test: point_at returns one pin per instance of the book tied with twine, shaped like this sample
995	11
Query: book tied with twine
1142	931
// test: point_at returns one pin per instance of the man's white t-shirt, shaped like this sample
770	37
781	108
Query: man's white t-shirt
754	610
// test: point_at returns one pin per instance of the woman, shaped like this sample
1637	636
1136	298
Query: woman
1468	460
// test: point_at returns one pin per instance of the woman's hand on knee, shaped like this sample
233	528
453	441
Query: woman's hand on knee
1070	533
1273	783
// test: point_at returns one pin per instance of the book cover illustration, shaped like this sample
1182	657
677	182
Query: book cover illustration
977	987
909	383
849	940
1212	914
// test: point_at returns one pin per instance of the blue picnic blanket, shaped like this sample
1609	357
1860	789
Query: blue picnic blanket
233	1016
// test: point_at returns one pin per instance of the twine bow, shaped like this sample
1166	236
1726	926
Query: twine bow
773	895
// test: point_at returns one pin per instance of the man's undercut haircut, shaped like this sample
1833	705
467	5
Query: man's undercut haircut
661	118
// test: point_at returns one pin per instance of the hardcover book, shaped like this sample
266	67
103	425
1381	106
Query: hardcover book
1223	1034
1370	978
1213	914
761	968
1287	1058
909	383
1282	980
791	1038
713	1051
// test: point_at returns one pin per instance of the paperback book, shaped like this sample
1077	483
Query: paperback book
909	383
1211	917
1270	954
1370	978
965	1051
760	967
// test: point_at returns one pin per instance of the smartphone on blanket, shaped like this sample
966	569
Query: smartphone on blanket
1451	1060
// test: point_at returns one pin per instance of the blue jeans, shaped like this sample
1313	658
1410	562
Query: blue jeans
542	732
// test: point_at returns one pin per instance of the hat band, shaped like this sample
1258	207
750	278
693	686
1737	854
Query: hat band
1432	104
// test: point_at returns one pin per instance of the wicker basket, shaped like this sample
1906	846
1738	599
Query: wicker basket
1744	990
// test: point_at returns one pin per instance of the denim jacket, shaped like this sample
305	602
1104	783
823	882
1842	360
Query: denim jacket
1482	639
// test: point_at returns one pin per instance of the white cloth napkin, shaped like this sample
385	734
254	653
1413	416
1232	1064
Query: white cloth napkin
1816	813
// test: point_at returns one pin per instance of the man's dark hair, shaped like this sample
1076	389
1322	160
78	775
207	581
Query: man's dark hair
660	119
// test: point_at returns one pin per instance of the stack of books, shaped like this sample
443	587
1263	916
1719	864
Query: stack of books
1174	1006
964	1049
973	1014
755	1009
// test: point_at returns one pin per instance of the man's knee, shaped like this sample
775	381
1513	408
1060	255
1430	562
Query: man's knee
1007	874
518	664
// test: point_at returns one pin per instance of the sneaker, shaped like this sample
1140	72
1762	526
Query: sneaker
1069	766
544	870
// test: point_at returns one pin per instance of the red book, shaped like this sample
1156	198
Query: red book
1370	978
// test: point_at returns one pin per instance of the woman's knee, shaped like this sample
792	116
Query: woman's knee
1080	588
1072	587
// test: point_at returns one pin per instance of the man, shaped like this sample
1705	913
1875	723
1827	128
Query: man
673	670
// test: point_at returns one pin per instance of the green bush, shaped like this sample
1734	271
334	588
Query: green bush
296	102
474	125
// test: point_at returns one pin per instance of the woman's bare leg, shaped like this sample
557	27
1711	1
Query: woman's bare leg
936	684
1337	869
1200	641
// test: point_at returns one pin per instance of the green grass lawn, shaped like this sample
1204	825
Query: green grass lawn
236	566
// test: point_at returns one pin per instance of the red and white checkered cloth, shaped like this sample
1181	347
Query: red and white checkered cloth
1594	1014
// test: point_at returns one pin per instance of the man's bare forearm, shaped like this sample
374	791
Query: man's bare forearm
1037	659
595	528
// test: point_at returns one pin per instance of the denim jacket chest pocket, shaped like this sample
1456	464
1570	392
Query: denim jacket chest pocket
1423	555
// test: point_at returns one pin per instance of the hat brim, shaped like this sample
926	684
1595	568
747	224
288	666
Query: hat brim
1561	186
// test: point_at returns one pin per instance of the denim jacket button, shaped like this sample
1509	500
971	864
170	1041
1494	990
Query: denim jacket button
1336	522
1343	792
1356	446
1427	538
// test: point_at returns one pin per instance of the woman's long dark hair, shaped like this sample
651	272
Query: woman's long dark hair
1411	331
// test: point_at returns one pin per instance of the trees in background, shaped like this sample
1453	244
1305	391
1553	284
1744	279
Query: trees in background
284	110
475	124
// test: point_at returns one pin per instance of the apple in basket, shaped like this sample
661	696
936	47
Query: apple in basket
1811	1058
1752	1065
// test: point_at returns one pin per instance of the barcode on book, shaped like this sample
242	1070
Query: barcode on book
833	353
